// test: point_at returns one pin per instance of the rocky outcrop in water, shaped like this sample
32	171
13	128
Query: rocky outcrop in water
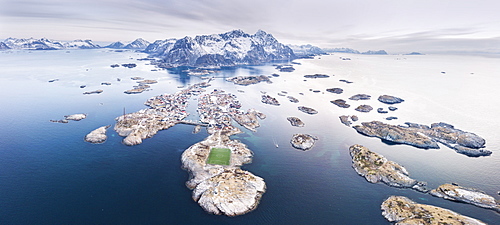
247	80
292	99
364	108
295	121
307	110
360	97
401	210
345	120
376	168
267	99
381	110
340	103
76	117
314	76
423	136
387	99
303	141
466	195
97	136
335	90
93	92
222	189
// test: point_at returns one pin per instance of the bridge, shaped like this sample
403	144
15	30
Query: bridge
192	122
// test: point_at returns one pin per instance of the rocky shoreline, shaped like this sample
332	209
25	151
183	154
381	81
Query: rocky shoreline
220	189
340	103
364	108
314	76
223	189
388	99
307	110
402	210
466	195
98	135
295	121
267	99
426	137
248	80
303	141
164	112
376	168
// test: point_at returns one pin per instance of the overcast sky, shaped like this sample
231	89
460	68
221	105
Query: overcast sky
393	25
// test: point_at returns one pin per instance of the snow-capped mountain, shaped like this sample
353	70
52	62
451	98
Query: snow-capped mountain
161	47
342	50
3	46
371	52
306	50
232	48
139	43
115	45
80	44
46	44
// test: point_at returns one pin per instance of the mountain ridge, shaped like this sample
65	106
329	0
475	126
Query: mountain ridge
47	44
227	49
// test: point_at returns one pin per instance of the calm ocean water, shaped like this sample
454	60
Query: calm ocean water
49	175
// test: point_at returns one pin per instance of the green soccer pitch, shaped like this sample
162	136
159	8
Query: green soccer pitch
219	156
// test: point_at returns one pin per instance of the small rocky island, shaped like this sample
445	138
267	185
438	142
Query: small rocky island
303	141
387	99
466	195
360	97
97	136
267	99
247	80
375	168
76	117
426	137
401	210
335	90
295	121
314	76
307	110
93	92
340	103
364	108
347	120
292	99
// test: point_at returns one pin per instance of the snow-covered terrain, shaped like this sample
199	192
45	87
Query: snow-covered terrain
232	48
47	44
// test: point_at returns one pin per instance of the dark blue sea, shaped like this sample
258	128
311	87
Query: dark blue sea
49	175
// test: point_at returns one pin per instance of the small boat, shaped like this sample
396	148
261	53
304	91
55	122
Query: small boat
275	143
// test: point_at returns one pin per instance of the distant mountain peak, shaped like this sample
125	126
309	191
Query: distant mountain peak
47	44
115	45
227	49
138	43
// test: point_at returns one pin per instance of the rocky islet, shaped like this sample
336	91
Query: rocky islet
401	210
97	136
426	137
303	141
466	195
376	168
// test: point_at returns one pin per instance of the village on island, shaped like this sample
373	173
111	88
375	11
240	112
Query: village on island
221	187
